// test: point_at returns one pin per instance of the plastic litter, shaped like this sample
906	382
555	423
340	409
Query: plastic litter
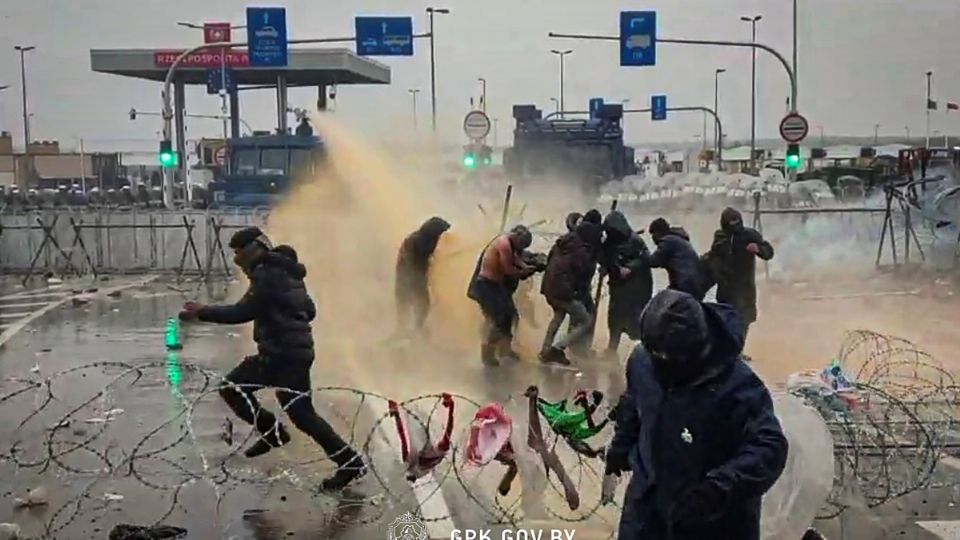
35	497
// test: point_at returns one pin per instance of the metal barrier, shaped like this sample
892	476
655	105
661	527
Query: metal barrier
119	242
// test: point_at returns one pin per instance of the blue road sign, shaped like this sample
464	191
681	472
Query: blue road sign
658	107
384	36
215	80
267	36
638	38
595	105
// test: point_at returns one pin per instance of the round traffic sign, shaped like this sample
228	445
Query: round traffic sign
476	124
220	156
794	128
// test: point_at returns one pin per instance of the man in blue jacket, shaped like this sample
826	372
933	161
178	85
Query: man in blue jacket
696	427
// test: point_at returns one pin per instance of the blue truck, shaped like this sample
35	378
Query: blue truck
587	152
261	169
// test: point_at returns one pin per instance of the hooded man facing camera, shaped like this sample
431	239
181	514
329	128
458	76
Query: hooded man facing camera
626	261
732	260
411	290
696	427
281	310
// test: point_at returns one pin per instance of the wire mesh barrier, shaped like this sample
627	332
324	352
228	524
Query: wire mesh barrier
892	421
100	464
74	242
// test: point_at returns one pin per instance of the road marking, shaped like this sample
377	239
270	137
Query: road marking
13	329
948	530
34	294
22	305
14	315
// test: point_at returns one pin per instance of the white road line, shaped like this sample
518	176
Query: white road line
31	295
22	305
12	330
429	495
14	315
948	530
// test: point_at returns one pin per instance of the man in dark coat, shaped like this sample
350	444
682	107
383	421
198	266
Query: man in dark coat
626	261
413	264
696	427
281	310
677	256
566	282
733	261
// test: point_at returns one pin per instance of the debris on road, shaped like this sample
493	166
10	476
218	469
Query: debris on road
115	294
141	532
112	497
81	300
9	531
36	497
110	415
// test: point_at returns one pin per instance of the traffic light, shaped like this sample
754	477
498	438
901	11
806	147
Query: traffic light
486	156
793	159
470	160
168	158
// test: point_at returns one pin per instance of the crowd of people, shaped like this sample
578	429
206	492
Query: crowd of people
707	444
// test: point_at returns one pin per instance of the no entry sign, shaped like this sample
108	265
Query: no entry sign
794	128
476	125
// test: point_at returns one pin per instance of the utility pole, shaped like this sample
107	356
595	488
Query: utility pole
483	94
561	55
26	117
716	108
433	67
414	92
876	133
2	112
907	129
927	107
795	73
753	91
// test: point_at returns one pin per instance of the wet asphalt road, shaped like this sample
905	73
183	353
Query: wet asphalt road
163	456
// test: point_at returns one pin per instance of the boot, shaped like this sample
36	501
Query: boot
346	473
505	350
488	355
554	355
274	438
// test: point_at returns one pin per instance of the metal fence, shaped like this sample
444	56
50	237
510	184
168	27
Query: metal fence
83	242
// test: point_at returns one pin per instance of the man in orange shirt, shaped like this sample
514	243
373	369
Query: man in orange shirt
499	264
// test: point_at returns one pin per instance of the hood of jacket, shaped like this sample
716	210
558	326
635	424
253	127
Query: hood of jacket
617	227
424	241
679	231
285	263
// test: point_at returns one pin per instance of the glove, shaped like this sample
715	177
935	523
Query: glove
697	505
616	464
191	311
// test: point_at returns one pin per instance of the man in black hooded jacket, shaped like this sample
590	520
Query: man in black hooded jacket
696	427
626	262
281	310
677	256
413	265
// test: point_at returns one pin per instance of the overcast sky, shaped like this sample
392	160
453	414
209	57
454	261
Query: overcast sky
862	62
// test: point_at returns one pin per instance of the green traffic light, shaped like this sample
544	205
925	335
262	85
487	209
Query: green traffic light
469	161
793	161
168	160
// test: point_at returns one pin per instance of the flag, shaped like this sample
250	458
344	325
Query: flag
931	105
953	106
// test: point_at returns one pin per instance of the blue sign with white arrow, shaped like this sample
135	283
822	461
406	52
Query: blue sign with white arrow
638	38
658	107
384	36
267	36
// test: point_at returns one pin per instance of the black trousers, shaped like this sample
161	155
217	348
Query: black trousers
291	377
413	306
496	303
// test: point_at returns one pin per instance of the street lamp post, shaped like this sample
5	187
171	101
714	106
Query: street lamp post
753	90
413	93
907	129
483	94
26	118
926	106
876	133
561	55
433	67
2	88
716	105
796	76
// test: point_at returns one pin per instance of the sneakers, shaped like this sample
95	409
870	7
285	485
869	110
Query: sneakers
268	441
346	473
554	355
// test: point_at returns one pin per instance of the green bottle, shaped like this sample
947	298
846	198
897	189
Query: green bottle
172	337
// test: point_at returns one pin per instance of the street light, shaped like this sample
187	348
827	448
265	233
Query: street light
433	66
561	55
753	88
716	104
907	129
413	93
556	104
483	94
26	118
927	107
876	133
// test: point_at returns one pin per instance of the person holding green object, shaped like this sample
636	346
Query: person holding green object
576	427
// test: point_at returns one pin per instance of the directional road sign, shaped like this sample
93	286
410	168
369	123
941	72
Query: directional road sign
638	38
794	128
384	36
267	36
658	107
476	125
